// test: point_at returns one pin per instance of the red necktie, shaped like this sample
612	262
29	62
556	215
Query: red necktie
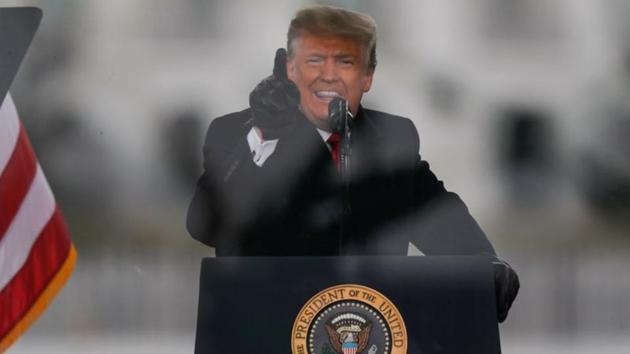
333	140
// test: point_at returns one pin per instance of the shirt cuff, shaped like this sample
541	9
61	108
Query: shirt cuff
261	150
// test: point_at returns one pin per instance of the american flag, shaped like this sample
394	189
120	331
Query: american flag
36	254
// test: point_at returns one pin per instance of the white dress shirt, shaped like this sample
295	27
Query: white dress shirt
263	149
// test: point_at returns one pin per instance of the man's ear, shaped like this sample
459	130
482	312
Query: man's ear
290	69
367	81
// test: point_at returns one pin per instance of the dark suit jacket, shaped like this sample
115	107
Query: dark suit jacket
295	203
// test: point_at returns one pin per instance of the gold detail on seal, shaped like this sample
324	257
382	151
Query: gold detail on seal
341	294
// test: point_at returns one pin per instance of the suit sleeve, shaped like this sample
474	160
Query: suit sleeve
222	189
446	227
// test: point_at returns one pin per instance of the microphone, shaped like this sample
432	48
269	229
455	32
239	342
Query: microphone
340	120
339	115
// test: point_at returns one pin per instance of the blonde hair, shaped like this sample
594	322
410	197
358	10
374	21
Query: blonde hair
334	21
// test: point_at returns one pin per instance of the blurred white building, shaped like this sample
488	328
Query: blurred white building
493	85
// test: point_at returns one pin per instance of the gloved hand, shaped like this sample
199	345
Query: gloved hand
506	285
275	101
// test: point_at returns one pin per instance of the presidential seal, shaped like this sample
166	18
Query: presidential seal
349	319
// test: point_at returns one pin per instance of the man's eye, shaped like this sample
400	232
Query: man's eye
347	61
313	60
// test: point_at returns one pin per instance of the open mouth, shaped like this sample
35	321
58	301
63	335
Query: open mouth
327	95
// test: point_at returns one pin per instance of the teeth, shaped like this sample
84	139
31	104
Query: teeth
327	94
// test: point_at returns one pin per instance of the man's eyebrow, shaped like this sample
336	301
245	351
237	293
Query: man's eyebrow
337	56
315	56
345	56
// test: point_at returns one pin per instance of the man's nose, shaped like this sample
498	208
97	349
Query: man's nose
329	71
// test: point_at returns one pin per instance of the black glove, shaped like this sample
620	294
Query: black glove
506	287
275	101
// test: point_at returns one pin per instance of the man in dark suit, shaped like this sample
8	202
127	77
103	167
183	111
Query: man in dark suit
272	185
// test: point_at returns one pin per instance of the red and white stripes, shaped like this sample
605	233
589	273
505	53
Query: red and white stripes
36	255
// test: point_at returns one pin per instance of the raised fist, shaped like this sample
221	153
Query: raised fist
275	101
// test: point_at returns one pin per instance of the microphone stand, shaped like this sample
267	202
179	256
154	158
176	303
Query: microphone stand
341	120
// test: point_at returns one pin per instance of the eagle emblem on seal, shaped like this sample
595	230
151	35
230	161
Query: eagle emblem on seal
349	333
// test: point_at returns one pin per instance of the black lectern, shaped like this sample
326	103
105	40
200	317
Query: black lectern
347	305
